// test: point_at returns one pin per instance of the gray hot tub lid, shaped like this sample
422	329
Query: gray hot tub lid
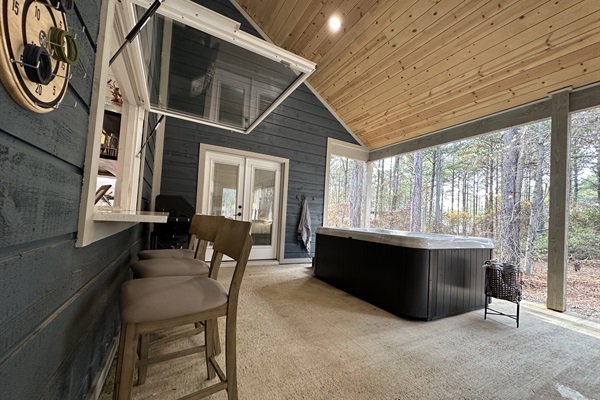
416	240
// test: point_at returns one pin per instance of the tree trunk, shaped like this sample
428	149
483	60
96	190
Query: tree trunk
430	202
598	174
395	183
489	189
438	189
537	199
575	178
452	192
509	220
356	193
465	202
417	184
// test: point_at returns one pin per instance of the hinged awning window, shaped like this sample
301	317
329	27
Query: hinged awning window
198	65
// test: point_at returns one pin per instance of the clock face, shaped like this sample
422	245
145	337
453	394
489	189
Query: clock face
25	22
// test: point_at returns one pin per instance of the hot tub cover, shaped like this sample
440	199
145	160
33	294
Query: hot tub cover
415	240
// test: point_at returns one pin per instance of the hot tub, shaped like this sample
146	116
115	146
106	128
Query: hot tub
416	275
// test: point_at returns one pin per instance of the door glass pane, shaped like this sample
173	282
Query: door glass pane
223	199
181	78
263	202
231	105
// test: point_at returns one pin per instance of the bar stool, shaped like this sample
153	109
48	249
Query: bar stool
152	304
190	252
204	228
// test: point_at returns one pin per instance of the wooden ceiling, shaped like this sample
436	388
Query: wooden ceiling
398	69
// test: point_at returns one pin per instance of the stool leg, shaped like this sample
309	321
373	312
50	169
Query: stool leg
209	338
230	357
144	347
124	380
216	339
119	362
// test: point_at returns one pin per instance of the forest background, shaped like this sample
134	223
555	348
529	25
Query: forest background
493	186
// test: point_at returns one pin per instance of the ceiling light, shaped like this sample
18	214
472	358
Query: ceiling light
334	23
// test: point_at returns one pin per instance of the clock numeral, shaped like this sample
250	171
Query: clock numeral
38	13
53	90
15	7
38	89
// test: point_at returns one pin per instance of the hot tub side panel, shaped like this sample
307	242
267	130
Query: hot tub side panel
456	281
393	278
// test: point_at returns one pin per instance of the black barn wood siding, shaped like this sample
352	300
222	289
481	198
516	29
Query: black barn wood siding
58	303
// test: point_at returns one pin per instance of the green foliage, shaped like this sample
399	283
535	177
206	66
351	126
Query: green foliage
584	230
584	245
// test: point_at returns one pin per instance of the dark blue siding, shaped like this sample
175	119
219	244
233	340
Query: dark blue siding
58	303
297	130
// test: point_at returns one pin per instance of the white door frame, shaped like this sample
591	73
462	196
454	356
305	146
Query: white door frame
284	185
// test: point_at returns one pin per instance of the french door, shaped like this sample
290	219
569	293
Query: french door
247	189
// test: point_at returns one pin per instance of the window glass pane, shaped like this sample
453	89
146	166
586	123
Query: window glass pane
223	198
199	76
231	106
263	204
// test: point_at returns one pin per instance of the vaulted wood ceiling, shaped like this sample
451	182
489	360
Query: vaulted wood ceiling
398	69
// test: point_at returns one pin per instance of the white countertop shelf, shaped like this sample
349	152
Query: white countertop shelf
109	214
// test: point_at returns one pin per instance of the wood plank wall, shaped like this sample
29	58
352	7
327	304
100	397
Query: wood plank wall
58	303
297	130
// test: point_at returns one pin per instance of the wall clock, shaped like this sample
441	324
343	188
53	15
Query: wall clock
29	70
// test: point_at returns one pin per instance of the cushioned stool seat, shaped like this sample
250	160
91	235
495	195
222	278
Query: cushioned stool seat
169	267
157	299
166	253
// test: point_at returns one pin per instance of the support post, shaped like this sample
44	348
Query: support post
558	224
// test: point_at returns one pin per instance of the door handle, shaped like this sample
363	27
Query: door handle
239	214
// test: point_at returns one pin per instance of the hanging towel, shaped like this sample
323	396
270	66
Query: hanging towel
304	231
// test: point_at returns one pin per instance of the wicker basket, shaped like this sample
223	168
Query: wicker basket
503	281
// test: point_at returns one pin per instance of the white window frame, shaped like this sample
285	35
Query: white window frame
208	21
95	222
344	149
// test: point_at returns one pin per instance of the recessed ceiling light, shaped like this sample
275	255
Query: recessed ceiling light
334	23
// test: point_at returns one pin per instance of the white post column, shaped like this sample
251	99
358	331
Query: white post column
558	224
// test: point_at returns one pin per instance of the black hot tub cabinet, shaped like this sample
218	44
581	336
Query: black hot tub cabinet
416	275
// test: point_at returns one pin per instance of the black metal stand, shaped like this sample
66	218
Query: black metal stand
491	311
